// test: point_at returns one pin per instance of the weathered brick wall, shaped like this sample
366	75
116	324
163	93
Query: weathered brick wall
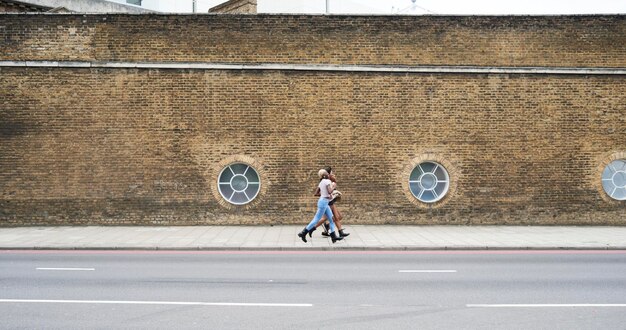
573	41
9	7
138	146
4	8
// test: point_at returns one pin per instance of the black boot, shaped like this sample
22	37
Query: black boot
302	234
334	237
311	232
343	234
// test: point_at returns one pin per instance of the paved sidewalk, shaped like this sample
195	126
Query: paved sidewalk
284	238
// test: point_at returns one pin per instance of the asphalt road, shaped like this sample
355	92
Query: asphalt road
300	290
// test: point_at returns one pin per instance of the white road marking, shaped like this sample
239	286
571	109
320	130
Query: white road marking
86	269
427	271
541	305
127	302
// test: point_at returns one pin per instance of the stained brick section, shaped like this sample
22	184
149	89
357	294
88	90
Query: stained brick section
566	41
122	146
7	6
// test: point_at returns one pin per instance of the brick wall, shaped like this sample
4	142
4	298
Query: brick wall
572	41
4	8
13	7
145	146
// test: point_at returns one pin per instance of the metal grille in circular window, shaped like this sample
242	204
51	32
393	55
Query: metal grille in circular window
614	179
239	183
429	182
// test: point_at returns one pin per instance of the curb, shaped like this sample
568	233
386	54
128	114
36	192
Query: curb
305	249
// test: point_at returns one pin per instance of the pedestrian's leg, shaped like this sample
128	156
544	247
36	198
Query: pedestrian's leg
322	220
321	208
318	215
334	236
336	213
337	217
329	215
319	223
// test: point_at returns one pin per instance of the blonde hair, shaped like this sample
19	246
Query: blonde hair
322	173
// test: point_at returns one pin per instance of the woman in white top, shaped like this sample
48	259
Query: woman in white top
326	188
336	214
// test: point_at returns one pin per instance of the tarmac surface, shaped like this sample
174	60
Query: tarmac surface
362	237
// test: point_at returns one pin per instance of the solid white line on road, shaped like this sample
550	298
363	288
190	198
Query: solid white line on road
427	271
127	302
541	305
86	269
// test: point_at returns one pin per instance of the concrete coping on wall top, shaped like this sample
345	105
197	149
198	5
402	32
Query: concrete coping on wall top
318	67
287	14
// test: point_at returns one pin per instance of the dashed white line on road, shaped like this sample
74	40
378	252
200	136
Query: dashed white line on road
85	269
127	302
427	271
541	305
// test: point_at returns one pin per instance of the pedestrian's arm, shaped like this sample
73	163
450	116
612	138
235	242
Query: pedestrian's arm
330	187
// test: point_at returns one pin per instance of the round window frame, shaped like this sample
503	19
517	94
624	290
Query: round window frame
432	173
612	174
219	183
448	162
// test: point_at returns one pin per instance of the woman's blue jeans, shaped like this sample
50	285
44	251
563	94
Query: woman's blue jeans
322	208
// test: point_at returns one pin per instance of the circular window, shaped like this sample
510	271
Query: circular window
614	179
239	183
429	182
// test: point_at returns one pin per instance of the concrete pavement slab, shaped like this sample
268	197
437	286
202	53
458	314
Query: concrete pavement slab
285	238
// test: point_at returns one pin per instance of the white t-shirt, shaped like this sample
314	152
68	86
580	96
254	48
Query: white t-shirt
323	188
